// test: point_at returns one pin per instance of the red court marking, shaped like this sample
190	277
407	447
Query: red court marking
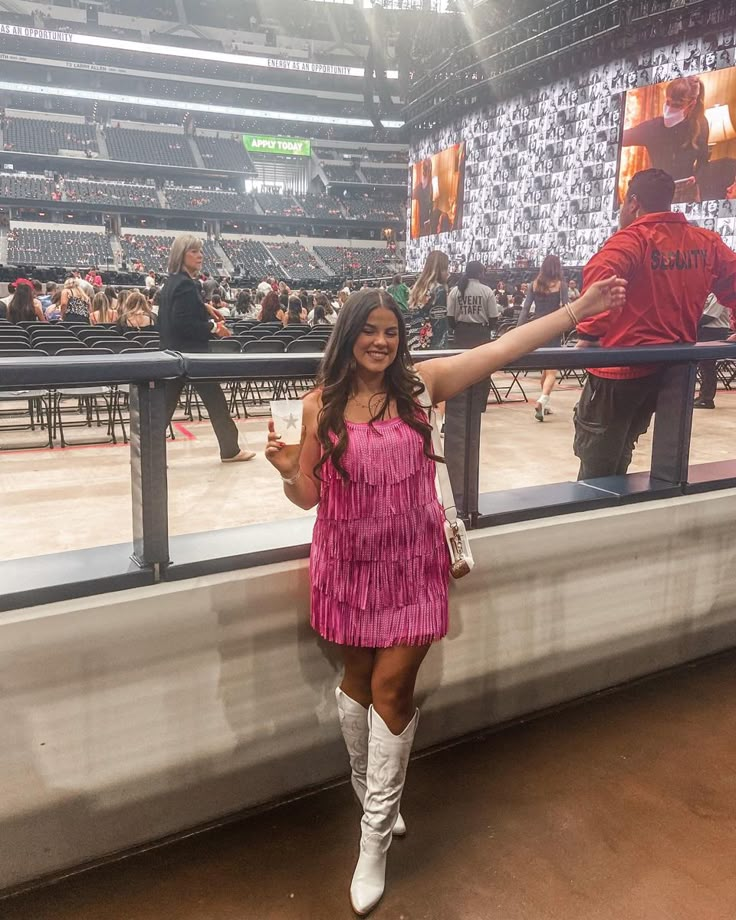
184	432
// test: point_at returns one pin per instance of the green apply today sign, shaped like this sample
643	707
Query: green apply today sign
284	146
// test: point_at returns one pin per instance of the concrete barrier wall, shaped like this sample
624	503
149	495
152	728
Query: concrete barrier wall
130	716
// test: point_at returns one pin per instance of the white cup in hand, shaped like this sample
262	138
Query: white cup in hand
287	419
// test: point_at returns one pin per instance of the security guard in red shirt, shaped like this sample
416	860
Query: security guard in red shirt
672	267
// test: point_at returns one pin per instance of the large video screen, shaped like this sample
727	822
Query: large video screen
685	126
438	191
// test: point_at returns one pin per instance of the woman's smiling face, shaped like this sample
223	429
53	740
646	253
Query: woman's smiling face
376	347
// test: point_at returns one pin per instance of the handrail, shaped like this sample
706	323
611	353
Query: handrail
89	370
147	373
98	370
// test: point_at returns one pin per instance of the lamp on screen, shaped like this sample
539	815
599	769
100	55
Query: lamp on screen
721	126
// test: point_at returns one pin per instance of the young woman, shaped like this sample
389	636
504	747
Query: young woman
101	311
271	311
428	303
112	296
676	140
244	305
319	317
122	297
547	294
328	314
24	308
136	312
296	315
75	303
379	562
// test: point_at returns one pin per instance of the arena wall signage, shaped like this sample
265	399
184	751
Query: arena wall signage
43	90
542	167
281	146
198	54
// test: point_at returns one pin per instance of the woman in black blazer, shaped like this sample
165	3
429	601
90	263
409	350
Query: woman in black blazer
185	325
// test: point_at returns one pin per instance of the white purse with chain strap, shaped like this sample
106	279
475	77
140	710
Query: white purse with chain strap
461	556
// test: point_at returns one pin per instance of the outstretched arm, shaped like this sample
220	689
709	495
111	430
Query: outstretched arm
448	377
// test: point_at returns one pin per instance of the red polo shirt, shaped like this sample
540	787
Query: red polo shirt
672	267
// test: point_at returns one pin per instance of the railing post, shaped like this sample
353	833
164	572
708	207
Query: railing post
673	423
148	475
462	450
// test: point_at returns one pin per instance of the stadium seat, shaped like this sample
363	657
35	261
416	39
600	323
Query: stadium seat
225	153
154	147
307	345
34	135
252	255
297	261
224	346
37	247
265	346
111	193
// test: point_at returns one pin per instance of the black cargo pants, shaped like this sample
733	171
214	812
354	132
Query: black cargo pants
609	419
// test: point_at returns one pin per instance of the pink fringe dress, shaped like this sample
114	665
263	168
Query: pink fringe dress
379	562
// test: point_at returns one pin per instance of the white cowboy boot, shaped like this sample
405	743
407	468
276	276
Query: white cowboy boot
388	757
354	726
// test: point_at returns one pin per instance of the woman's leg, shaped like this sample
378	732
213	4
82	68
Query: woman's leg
392	684
215	403
541	408
549	378
353	698
392	724
356	681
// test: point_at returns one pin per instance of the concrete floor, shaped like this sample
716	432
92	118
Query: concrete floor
80	497
620	808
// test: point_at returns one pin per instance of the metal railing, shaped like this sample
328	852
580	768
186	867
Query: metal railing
154	551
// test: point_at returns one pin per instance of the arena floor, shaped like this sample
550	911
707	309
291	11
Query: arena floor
55	500
621	808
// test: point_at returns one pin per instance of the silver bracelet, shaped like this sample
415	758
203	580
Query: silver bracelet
293	481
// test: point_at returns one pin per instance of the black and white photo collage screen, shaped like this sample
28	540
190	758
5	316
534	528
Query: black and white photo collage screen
541	168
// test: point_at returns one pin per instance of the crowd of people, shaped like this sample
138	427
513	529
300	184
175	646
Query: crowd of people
80	299
444	310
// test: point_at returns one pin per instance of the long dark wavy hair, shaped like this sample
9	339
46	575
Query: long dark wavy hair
337	377
549	275
20	308
270	306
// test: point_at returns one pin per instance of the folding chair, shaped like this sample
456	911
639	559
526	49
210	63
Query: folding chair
252	387
516	373
36	406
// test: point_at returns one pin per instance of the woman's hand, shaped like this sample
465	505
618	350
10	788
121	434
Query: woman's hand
607	296
285	457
